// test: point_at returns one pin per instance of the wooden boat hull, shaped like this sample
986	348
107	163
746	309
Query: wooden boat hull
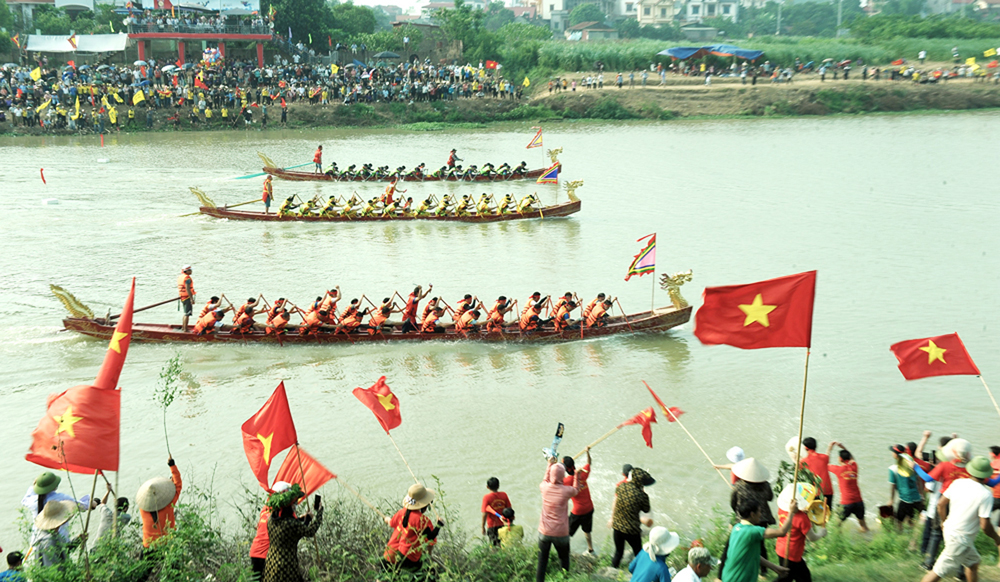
564	209
658	320
314	177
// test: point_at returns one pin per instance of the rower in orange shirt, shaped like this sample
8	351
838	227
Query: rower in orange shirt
410	309
212	305
590	307
598	315
251	303
495	317
350	319
563	317
430	322
207	323
379	317
276	324
311	322
469	321
530	319
275	309
535	298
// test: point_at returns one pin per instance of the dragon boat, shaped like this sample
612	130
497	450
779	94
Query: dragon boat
83	321
295	176
572	206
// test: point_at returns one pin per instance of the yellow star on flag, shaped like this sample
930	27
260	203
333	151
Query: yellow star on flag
66	421
115	338
757	312
648	413
386	401
934	352
266	441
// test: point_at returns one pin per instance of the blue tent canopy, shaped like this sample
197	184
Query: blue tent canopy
722	50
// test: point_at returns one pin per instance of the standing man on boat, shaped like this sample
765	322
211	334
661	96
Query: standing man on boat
185	289
318	160
453	158
410	310
268	195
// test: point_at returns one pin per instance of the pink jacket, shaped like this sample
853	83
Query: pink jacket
555	501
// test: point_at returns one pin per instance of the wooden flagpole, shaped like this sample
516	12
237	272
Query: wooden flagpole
86	525
412	474
302	472
362	498
591	445
798	443
988	391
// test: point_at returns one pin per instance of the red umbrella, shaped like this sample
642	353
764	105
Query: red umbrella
992	65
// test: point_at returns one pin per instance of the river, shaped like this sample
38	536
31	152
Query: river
897	213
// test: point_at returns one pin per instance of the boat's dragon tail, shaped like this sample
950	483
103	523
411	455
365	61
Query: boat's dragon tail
203	198
268	162
75	307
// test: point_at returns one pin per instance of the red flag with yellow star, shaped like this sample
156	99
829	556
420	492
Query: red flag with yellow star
299	467
382	402
79	432
672	413
645	420
943	355
770	314
114	358
267	433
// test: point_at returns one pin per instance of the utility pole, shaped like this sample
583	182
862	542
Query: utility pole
840	12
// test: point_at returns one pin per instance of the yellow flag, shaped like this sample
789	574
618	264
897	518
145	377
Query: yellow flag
990	52
77	114
36	73
970	61
43	105
112	115
138	98
334	69
104	102
526	82
118	97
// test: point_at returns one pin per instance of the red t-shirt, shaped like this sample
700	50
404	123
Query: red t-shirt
800	527
582	504
847	478
497	502
410	311
995	463
946	472
820	466
261	542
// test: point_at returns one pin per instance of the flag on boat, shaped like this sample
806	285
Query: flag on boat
776	313
382	402
267	433
644	419
551	175
645	261
536	142
299	467
943	355
80	430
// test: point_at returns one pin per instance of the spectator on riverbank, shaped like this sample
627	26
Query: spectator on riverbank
494	502
553	526
631	500
850	495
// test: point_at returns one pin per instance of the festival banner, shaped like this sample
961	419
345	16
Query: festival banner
382	402
645	261
776	313
536	142
551	175
300	467
943	355
267	433
645	420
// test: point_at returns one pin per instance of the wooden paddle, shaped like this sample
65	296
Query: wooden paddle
262	173
172	299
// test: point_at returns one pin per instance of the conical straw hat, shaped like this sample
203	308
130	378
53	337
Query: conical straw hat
751	470
155	494
54	514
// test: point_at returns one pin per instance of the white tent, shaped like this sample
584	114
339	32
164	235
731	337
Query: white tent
85	43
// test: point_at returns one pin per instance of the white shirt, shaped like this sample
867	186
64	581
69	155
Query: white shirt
968	501
30	501
686	575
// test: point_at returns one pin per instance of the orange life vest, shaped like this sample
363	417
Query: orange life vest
589	308
464	321
183	282
329	304
349	318
531	303
376	321
311	323
209	307
277	323
268	194
526	323
595	315
206	324
245	320
239	314
427	311
562	320
429	323
318	156
273	312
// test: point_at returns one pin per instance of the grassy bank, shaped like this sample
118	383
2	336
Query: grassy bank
350	542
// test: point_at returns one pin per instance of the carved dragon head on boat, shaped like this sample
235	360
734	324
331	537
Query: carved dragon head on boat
554	155
571	189
672	285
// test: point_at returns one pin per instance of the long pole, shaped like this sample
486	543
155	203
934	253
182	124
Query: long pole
798	443
652	295
697	444
86	525
988	391
591	445
302	472
172	299
362	498
415	480
114	529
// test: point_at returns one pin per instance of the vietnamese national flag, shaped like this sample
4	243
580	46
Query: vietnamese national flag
382	402
291	471
79	432
491	64
644	419
776	313
672	413
198	83
114	358
943	355
267	433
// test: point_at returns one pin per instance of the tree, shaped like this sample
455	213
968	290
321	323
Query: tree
586	13
6	45
6	17
349	21
627	28
497	15
462	23
517	32
303	17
